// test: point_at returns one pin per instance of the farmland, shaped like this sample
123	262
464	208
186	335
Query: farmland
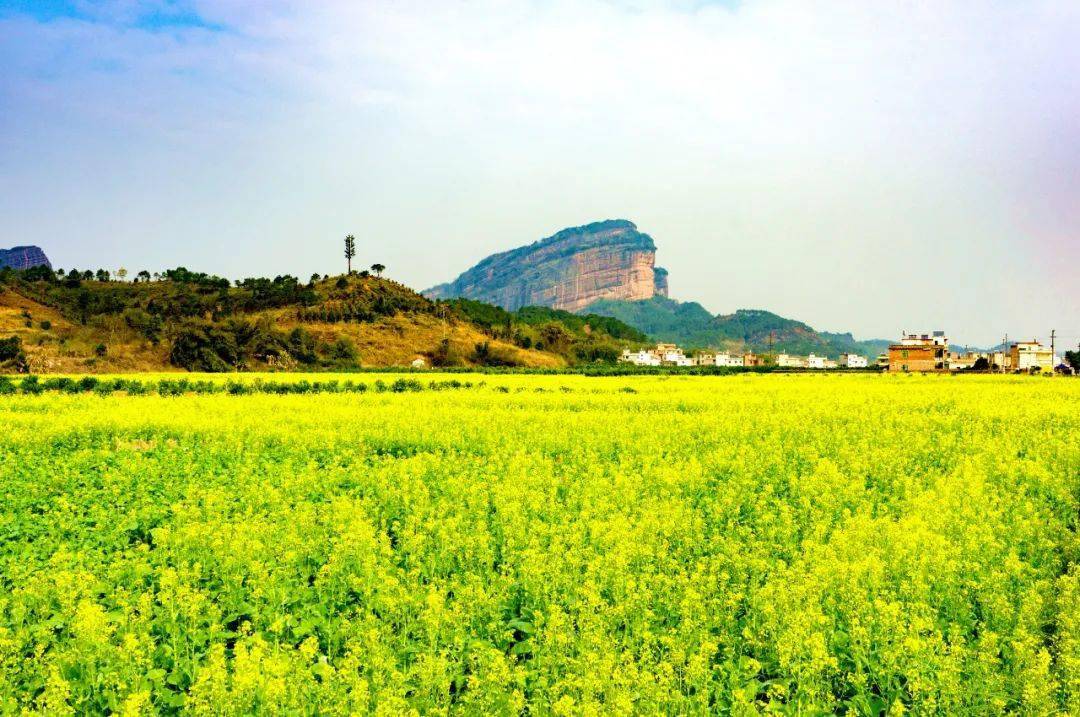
548	544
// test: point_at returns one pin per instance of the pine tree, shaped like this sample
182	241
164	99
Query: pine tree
350	250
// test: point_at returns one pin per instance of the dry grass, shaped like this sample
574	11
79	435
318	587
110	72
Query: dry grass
67	347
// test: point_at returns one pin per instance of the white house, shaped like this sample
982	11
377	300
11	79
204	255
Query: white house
640	358
813	361
853	361
1027	355
726	359
788	361
671	354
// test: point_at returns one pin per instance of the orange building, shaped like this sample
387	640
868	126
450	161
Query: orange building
915	352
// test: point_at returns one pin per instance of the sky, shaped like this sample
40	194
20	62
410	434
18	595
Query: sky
865	167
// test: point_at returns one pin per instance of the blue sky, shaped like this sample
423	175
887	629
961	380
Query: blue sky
814	159
144	16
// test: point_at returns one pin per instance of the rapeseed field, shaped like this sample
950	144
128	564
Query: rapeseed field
544	545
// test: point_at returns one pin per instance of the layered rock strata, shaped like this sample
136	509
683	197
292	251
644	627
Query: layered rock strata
568	270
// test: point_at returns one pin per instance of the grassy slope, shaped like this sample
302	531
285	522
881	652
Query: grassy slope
69	347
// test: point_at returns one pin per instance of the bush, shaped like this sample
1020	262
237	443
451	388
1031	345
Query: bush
198	346
30	385
12	356
343	349
302	345
10	348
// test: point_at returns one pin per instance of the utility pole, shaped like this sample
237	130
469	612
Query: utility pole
1004	349
1053	353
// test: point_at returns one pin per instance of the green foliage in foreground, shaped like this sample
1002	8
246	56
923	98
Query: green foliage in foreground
676	545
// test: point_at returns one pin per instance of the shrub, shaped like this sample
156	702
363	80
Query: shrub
343	349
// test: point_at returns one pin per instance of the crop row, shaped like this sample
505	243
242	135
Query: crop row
33	385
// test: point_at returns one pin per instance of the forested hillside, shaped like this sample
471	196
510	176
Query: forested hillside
88	321
690	325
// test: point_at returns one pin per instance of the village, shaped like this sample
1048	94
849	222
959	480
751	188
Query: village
913	353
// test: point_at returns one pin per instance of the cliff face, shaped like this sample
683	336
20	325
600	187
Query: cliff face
568	270
23	257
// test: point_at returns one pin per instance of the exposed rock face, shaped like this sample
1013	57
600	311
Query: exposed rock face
568	270
23	257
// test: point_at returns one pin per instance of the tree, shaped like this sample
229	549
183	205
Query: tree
350	250
12	355
981	364
1073	359
343	349
101	275
122	273
143	275
378	269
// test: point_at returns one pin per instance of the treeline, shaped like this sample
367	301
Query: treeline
233	345
584	338
175	294
33	385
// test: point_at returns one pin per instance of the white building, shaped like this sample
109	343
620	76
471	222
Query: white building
853	361
788	361
813	361
1027	355
671	354
640	358
726	359
662	355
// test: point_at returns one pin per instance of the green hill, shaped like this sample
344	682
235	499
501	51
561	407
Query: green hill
691	326
87	321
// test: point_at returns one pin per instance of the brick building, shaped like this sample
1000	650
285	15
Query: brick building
920	352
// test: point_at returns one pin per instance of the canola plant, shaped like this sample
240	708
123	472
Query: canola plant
544	545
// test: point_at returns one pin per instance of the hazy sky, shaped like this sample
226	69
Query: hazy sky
863	166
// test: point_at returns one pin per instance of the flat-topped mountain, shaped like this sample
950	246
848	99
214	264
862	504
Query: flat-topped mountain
568	270
23	257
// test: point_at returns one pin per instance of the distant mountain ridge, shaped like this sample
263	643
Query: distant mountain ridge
690	325
23	257
567	270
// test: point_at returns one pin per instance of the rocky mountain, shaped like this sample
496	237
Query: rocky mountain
568	270
690	325
23	257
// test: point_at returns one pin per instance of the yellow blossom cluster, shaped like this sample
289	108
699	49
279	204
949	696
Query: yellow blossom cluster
546	545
